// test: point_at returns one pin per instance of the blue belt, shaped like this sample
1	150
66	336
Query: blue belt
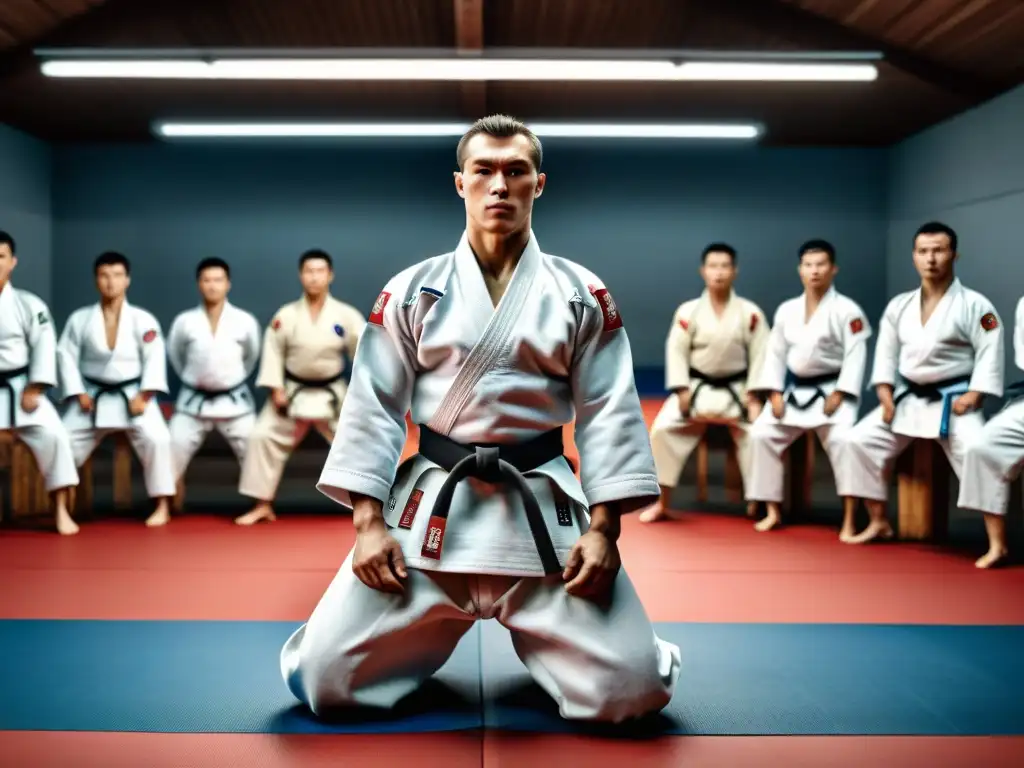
944	390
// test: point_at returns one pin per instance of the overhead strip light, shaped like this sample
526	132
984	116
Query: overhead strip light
459	69
183	130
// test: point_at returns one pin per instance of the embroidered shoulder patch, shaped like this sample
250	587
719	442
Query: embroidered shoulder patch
276	325
149	335
42	319
339	330
609	310
989	322
856	325
683	324
754	320
377	313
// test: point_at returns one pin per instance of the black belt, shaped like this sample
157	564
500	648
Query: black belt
808	382
204	395
104	388
5	384
718	382
324	384
493	464
931	391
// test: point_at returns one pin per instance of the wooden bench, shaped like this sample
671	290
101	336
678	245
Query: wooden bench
82	497
718	436
27	490
922	479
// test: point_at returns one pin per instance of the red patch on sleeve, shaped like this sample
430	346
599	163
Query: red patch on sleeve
754	320
856	326
276	325
148	336
683	324
377	313
609	310
989	322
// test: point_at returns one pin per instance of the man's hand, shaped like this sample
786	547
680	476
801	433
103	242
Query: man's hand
832	402
684	402
884	392
30	398
754	407
85	402
968	401
280	399
778	405
378	561
137	404
592	565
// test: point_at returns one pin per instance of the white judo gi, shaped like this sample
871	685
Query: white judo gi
112	377
28	355
554	349
717	359
213	366
929	365
807	360
993	461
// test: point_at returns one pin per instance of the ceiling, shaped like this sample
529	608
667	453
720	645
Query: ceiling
941	57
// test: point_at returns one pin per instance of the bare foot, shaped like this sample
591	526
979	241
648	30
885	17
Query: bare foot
654	513
257	514
65	525
161	516
993	558
875	530
771	520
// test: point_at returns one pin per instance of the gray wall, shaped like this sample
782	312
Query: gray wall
25	175
637	215
969	173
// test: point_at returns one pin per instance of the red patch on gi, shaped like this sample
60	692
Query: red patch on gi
377	313
989	322
753	322
276	324
609	310
410	509
856	326
684	325
148	336
434	539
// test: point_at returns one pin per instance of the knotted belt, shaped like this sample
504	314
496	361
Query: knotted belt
6	377
205	395
719	382
808	382
324	384
104	388
492	464
944	390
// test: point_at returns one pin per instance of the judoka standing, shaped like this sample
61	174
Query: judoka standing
306	351
814	370
28	368
713	354
994	460
213	348
112	366
493	348
939	353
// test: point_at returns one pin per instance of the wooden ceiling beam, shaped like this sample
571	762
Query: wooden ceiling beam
469	41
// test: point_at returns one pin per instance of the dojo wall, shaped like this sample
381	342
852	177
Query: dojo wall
637	215
968	172
25	180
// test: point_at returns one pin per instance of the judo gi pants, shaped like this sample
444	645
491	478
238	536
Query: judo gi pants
872	448
151	441
993	461
363	647
188	433
51	446
271	442
674	438
768	443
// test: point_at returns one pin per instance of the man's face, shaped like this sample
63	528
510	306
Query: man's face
7	262
315	276
816	271
718	271
499	183
112	281
933	256
214	285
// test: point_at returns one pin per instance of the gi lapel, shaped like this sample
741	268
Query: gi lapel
489	346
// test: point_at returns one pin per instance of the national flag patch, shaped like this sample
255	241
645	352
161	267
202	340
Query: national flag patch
856	326
989	322
377	313
609	309
754	320
276	325
149	336
683	324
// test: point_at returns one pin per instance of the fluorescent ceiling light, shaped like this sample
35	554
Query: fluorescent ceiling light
458	69
333	130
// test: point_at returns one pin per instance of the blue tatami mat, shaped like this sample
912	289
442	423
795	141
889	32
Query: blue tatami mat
757	679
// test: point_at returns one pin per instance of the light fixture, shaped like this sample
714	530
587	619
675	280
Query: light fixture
183	130
459	69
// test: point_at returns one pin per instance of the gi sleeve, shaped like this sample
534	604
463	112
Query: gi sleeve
856	332
274	348
887	349
69	351
772	375
42	343
677	352
371	430
250	345
987	338
616	463
757	346
153	351
355	326
1018	336
177	345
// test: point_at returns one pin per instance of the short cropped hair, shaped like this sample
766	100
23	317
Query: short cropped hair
938	228
212	263
718	248
501	127
6	239
823	246
315	253
111	259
